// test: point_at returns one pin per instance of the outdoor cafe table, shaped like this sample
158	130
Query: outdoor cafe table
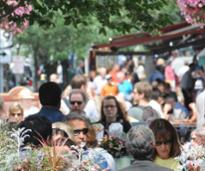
188	127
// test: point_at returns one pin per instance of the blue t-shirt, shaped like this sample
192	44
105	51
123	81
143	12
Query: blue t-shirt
52	114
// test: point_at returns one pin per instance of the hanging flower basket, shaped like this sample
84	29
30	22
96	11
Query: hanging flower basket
193	11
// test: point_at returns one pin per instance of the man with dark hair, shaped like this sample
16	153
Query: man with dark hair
40	130
140	144
89	105
77	100
50	99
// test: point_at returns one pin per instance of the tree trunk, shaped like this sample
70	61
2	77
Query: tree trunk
35	59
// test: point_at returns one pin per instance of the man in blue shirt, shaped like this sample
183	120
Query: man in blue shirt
50	99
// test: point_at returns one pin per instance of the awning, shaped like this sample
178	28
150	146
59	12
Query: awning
171	37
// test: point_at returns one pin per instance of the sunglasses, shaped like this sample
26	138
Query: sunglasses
74	102
78	131
166	142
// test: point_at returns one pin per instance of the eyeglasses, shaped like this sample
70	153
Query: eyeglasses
74	102
166	142
109	106
78	131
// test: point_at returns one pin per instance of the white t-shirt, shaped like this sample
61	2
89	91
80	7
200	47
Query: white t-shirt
200	104
91	111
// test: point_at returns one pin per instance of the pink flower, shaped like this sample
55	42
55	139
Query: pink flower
19	11
192	3
28	9
12	2
193	10
26	24
200	5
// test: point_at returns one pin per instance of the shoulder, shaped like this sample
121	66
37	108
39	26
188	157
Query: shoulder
171	163
129	168
155	167
103	158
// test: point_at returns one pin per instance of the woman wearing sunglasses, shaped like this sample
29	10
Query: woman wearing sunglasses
167	145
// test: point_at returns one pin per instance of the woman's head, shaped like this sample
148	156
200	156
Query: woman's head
61	134
111	110
167	141
15	113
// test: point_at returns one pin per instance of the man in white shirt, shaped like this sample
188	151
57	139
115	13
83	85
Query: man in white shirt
200	104
91	106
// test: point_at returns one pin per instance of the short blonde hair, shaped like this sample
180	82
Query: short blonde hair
14	107
145	88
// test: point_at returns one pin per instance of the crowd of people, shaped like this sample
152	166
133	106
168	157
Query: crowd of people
156	117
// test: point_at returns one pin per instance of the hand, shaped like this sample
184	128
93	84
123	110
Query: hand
193	167
62	149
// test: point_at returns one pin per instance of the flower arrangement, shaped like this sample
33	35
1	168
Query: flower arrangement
47	158
194	155
193	10
114	145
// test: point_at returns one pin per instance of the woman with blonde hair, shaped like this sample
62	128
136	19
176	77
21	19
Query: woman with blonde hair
16	113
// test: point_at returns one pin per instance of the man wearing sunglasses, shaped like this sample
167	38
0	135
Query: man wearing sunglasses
85	138
91	108
79	125
77	100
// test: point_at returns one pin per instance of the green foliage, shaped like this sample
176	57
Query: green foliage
56	42
121	15
60	27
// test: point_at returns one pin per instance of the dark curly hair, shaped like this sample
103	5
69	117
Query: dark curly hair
41	130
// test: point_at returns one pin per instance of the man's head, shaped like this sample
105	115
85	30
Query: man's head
102	72
142	91
80	128
79	82
77	100
109	78
41	129
121	76
140	143
50	94
171	99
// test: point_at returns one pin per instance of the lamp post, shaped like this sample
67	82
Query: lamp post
1	66
2	54
5	54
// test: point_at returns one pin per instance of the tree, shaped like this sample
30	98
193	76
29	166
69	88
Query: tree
59	27
56	43
122	15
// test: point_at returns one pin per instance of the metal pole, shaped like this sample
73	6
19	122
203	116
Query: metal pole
1	77
1	67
